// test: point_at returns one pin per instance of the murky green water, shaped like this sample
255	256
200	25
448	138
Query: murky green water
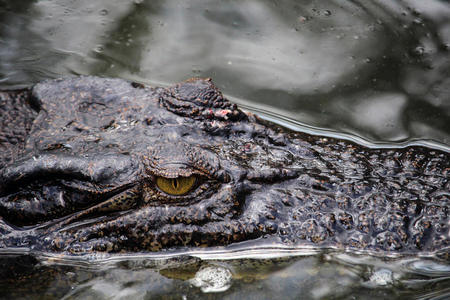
372	71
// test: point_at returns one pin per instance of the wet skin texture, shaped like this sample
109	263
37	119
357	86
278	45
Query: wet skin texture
85	165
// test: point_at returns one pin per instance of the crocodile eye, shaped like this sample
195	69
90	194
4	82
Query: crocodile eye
176	186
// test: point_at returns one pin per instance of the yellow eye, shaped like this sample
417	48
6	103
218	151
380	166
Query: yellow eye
175	186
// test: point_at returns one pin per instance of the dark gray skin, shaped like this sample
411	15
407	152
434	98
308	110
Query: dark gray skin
81	158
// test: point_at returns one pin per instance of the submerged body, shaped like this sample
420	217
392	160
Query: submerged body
92	164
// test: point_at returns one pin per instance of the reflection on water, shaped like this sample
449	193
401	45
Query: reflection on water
376	69
323	276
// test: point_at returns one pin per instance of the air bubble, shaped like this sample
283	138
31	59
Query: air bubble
104	12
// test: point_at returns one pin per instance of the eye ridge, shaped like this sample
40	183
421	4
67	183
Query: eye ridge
178	186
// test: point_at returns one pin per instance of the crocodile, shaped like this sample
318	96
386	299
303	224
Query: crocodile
90	164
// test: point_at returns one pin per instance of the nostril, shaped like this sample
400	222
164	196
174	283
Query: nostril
224	176
137	85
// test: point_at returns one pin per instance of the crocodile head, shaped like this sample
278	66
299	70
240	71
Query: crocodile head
109	165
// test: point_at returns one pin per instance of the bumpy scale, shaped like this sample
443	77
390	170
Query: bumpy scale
94	164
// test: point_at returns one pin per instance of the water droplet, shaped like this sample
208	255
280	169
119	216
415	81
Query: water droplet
327	13
356	37
418	22
138	1
104	12
98	49
419	51
371	27
367	60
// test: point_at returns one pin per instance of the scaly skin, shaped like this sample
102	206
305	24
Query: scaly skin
78	174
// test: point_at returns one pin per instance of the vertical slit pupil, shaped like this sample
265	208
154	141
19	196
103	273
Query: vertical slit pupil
175	183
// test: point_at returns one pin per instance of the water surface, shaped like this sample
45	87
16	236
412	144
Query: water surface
375	69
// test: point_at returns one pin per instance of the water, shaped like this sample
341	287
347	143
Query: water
378	70
372	71
303	275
